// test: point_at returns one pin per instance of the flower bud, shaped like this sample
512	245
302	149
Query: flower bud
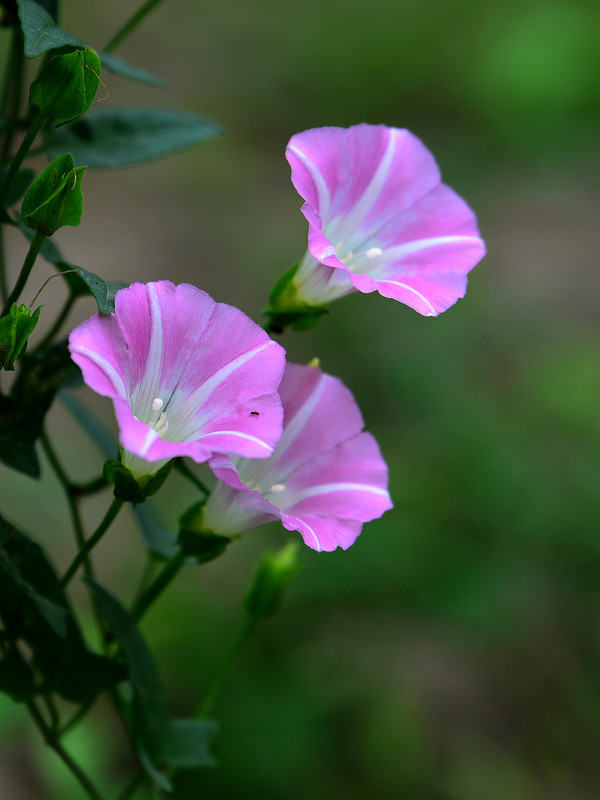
55	197
66	86
15	328
273	575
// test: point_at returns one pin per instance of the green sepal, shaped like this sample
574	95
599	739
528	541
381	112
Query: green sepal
273	575
34	609
284	310
22	413
67	85
40	31
55	198
15	329
203	547
134	490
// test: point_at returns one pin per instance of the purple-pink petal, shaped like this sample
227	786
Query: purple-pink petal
325	478
187	375
379	216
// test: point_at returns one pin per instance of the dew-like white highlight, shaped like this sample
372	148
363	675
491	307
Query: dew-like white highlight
373	252
157	404
277	487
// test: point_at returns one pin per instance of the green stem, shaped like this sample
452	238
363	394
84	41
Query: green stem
162	580
130	25
183	468
89	487
13	90
222	673
132	787
109	517
58	323
3	282
76	718
73	508
52	742
36	127
32	254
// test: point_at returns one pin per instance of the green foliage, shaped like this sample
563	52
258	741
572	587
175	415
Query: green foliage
283	309
67	85
274	574
121	68
15	329
131	489
121	137
161	742
23	411
38	22
55	198
34	610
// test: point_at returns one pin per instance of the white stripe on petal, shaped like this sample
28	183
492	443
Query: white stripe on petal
401	250
328	488
147	389
433	312
246	436
106	367
315	174
296	425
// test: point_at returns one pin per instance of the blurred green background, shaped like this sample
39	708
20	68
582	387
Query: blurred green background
453	652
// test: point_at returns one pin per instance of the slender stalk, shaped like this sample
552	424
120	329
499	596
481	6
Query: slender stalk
36	127
183	468
3	282
53	742
71	502
32	254
162	580
13	90
89	545
89	487
222	673
68	305
76	718
130	25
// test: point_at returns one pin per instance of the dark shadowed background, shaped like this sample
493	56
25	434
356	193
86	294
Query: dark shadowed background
452	653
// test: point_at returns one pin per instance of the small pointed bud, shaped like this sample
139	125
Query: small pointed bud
15	329
55	198
273	575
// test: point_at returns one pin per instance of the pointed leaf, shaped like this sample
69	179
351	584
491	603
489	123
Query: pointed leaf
55	198
85	282
124	70
16	677
67	85
119	137
34	608
187	743
15	329
41	31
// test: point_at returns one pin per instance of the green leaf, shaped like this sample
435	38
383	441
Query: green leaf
131	489
119	137
187	743
160	541
284	310
124	70
15	329
38	21
55	198
202	546
19	185
34	609
16	678
67	85
22	413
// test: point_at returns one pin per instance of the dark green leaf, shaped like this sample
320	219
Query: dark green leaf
159	541
202	546
119	137
55	198
67	85
84	282
15	329
34	609
124	70
22	413
19	185
40	30
16	677
150	720
187	743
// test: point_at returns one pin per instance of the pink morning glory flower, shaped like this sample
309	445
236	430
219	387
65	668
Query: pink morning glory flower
379	220
324	479
187	376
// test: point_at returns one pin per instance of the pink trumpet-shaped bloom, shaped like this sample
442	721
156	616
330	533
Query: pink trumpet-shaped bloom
380	219
324	479
187	376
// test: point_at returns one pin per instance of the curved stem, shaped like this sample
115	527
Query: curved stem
222	673
52	742
130	25
109	517
32	254
162	580
36	127
183	468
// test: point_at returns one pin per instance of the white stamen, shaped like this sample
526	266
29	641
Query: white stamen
373	252
278	487
157	404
